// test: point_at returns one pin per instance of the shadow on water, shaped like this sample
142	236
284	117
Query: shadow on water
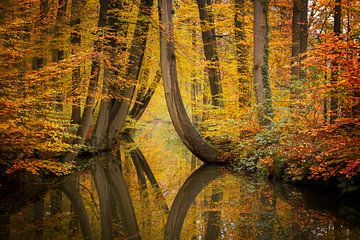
121	197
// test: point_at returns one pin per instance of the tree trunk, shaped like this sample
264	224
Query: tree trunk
183	126
117	120
261	63
335	64
75	40
299	41
242	54
94	78
117	27
211	56
143	100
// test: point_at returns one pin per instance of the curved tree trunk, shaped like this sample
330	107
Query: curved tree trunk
183	126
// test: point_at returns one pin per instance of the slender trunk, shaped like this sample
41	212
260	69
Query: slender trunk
210	50
143	100
94	78
299	41
261	63
195	88
75	40
335	64
58	53
132	73
117	27
303	36
242	54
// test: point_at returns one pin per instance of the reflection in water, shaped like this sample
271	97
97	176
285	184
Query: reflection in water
124	196
185	197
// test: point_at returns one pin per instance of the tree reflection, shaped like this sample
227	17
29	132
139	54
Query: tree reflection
185	197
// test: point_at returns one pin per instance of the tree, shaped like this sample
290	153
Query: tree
210	50
334	72
299	40
188	134
261	63
242	53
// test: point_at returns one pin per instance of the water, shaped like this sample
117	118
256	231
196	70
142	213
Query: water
155	189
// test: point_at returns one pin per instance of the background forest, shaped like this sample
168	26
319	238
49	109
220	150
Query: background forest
272	85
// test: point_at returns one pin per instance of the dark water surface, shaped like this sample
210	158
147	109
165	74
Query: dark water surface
155	189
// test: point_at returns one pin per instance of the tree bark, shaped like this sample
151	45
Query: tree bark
143	100
137	49
242	54
75	40
299	41
335	64
210	50
94	78
183	126
261	63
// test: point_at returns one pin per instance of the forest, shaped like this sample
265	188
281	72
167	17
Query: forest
270	88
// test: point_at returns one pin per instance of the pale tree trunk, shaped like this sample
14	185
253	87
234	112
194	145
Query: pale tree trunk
183	126
210	50
261	63
242	54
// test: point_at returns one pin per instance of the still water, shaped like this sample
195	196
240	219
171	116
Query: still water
153	188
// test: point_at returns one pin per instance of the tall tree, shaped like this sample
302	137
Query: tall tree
242	53
299	40
120	109
183	126
75	39
210	50
334	72
113	114
261	62
93	84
